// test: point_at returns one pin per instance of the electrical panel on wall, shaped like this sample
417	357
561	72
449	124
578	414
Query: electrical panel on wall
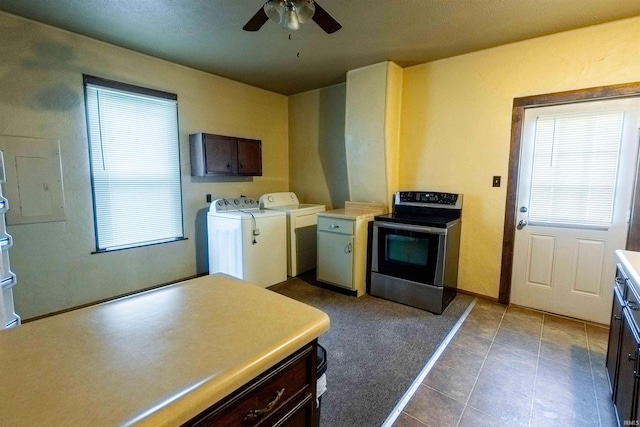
34	180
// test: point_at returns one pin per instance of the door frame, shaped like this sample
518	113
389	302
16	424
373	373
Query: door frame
625	90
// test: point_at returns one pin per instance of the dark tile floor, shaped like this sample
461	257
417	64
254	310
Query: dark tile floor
509	366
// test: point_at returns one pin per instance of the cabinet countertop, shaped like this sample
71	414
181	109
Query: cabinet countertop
152	359
356	211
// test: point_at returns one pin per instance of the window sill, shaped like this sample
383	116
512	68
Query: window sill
122	248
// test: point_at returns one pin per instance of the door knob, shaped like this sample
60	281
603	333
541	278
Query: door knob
521	224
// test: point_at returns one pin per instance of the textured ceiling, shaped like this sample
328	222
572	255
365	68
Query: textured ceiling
208	35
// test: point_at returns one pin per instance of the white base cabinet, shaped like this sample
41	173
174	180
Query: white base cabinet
335	262
342	252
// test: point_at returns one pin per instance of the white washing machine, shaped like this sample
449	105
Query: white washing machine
247	242
302	238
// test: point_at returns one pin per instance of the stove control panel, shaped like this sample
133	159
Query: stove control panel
235	204
425	198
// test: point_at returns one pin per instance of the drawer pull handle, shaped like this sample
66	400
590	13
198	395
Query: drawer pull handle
632	305
333	226
617	318
631	358
255	413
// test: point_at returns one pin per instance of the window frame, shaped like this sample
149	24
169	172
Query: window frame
134	90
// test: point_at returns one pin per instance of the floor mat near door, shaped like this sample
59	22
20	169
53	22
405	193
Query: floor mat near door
375	349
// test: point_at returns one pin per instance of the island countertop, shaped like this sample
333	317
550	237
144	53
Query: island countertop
157	358
631	263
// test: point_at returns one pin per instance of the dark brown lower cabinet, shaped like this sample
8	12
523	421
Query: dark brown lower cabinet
285	395
615	329
626	397
623	353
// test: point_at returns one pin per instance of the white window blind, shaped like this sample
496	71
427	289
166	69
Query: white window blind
135	167
575	168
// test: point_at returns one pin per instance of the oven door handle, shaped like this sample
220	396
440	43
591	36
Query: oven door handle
407	227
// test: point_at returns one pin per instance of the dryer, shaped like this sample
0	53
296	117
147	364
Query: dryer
302	237
247	242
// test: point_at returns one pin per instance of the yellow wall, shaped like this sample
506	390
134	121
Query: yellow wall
41	96
456	122
317	160
392	122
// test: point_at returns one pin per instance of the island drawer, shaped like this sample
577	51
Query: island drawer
270	399
621	282
335	225
632	301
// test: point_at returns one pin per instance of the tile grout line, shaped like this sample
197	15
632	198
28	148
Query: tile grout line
393	416
535	376
486	356
593	380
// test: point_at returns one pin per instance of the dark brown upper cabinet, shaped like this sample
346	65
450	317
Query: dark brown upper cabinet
218	155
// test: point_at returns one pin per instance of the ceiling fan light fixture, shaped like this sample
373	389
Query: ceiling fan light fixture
290	14
290	20
275	10
305	10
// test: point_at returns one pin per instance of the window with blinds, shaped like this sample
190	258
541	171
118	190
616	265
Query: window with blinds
575	167
135	164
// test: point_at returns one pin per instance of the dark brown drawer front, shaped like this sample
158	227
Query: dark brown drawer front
633	303
300	415
621	281
272	395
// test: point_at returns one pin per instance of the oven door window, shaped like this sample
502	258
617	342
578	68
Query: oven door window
408	255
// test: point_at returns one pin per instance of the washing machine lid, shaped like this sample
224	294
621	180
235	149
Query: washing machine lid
301	209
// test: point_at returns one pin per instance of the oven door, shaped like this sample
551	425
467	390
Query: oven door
408	252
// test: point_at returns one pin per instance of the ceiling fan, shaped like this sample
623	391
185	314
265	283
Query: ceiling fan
290	14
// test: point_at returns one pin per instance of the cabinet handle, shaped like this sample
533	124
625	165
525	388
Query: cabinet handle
632	305
241	166
348	249
228	165
620	281
255	413
333	226
631	358
617	318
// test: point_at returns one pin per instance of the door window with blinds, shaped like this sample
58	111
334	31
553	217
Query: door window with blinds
575	167
135	164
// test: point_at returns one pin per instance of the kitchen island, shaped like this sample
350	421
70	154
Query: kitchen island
158	358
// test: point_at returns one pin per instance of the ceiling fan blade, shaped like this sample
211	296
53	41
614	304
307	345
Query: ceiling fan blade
257	21
324	20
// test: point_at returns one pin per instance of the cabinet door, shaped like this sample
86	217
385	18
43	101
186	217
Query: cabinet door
628	365
249	157
220	154
335	259
614	340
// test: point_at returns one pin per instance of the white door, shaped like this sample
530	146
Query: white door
575	187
